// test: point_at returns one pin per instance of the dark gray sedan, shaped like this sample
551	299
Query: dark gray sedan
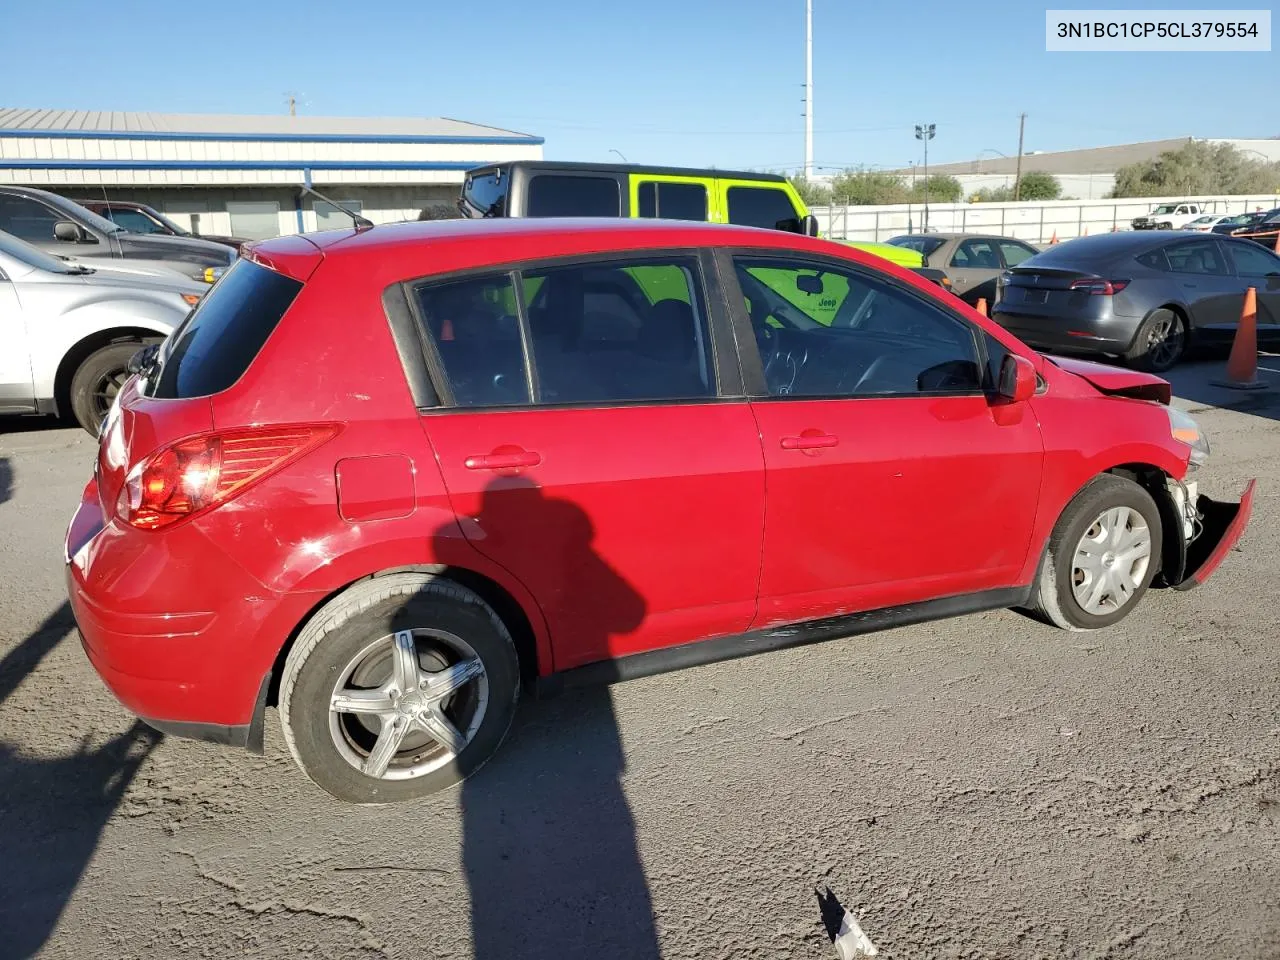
1143	296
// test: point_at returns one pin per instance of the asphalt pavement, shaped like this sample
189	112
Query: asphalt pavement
981	787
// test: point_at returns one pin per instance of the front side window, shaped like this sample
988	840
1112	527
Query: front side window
27	219
1200	257
826	331
485	194
474	326
554	195
672	201
976	255
619	331
1252	260
135	221
765	207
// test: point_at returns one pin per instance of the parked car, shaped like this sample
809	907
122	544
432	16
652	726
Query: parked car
1263	232
1242	222
546	188
972	262
1168	216
140	218
1144	296
1206	223
67	330
385	478
62	227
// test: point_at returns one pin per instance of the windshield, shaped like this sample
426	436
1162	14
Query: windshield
1164	208
78	212
35	257
1204	220
485	194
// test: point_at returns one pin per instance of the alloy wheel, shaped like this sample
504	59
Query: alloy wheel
1164	342
408	704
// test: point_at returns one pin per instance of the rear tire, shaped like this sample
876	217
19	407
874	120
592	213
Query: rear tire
1160	342
1089	552
348	650
98	379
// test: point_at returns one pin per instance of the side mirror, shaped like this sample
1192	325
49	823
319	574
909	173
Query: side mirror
65	231
809	225
141	360
808	284
1017	379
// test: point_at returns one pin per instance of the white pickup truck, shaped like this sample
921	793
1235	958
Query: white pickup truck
1169	216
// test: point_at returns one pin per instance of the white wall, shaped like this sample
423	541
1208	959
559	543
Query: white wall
1034	222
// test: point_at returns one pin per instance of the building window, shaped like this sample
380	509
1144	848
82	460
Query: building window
329	216
254	219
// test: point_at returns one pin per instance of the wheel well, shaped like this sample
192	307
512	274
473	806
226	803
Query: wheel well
78	353
504	605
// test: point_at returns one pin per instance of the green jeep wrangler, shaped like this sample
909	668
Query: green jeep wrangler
548	188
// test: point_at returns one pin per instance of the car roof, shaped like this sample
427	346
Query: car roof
569	167
1104	246
396	251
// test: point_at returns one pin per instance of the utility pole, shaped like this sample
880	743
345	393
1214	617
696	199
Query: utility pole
808	90
1017	176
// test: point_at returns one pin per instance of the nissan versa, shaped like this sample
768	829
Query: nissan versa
386	479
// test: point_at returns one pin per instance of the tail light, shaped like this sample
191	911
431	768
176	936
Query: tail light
198	473
1099	288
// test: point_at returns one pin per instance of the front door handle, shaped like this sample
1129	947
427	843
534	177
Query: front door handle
809	440
505	460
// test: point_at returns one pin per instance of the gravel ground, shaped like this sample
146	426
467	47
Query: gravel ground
981	787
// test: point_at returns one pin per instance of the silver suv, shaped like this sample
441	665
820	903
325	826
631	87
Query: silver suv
69	328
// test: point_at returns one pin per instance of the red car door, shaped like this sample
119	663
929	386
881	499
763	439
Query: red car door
612	482
891	477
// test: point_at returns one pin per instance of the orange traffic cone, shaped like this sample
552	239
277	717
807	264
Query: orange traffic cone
1086	232
1115	228
1054	238
1242	365
982	306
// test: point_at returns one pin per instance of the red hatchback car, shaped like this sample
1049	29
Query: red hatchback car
386	479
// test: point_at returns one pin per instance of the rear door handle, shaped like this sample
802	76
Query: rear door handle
503	461
809	441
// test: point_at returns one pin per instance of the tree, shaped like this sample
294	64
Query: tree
1197	169
811	192
863	187
994	195
439	211
1039	186
942	189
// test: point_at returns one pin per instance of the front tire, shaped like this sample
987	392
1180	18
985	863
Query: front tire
1101	557
97	380
1160	342
398	688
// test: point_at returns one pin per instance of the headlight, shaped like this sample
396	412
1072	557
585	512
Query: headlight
1186	430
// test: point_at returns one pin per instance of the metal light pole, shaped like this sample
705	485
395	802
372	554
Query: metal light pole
925	132
808	90
911	196
619	153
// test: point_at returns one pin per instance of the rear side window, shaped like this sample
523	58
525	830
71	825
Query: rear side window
1200	257
214	346
551	195
1153	259
761	207
673	201
1015	253
476	331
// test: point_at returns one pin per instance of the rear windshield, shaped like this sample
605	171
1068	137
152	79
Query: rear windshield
920	244
485	194
214	346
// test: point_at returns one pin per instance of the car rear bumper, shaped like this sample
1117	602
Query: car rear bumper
1223	526
1066	335
181	635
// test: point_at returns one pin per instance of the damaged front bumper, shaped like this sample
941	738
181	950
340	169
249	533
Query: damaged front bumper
1214	527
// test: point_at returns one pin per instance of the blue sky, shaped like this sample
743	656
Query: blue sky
697	82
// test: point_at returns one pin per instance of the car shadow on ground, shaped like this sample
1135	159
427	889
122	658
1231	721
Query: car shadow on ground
53	810
549	844
1196	383
32	424
6	479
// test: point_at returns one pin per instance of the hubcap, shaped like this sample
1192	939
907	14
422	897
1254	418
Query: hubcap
408	704
1111	561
